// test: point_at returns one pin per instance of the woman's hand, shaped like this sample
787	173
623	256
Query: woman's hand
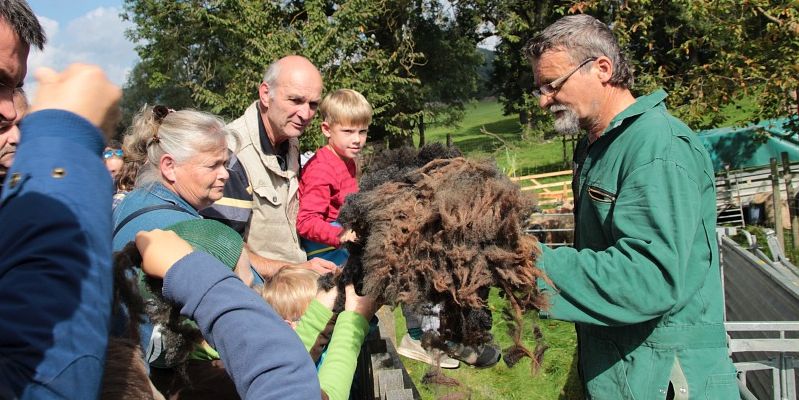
160	250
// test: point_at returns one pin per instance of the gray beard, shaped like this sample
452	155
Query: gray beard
568	123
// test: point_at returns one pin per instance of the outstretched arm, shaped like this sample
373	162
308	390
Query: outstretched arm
55	244
266	360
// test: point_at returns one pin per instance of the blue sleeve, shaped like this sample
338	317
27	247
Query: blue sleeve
265	358
55	261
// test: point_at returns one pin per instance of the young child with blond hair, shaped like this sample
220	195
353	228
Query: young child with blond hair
292	293
330	175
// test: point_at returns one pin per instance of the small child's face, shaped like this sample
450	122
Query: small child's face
346	140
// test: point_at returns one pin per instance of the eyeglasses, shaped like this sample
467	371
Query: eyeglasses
555	85
113	153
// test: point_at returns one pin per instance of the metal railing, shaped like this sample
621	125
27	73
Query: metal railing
782	366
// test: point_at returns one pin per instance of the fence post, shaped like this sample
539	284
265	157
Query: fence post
777	198
786	173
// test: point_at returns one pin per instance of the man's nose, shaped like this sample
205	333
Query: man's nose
544	100
306	112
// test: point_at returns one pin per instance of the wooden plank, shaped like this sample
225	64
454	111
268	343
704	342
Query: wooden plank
555	201
560	194
551	185
539	176
386	324
399	394
765	326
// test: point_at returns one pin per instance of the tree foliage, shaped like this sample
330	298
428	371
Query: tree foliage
707	54
213	52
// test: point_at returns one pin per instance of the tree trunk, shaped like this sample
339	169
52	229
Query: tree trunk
421	130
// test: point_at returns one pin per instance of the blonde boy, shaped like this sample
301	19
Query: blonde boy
330	175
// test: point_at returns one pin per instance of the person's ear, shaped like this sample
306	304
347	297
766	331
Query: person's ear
326	129
168	164
604	68
263	95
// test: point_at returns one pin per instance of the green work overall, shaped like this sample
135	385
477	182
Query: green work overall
642	282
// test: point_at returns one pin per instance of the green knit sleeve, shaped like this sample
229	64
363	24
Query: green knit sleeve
338	367
313	322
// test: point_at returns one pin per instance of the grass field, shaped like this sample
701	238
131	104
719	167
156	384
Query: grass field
517	157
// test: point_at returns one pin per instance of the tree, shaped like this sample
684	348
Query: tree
216	52
446	38
707	54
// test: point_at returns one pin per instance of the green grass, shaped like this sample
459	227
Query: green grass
516	156
557	378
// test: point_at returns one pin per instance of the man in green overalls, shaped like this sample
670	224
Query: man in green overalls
642	282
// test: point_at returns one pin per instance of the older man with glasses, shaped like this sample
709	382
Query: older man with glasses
642	282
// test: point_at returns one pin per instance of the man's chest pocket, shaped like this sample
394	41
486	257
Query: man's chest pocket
602	203
268	196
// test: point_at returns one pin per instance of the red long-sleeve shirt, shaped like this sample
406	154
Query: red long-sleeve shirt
326	180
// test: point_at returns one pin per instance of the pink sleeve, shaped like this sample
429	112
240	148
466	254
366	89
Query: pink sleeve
316	186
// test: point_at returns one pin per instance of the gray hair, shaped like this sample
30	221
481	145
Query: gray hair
582	36
182	134
270	77
18	14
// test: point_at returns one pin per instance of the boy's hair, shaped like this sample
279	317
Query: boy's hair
345	106
290	291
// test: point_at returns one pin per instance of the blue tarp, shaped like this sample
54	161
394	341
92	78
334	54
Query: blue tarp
750	146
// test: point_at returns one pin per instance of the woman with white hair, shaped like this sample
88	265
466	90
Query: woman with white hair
183	155
181	158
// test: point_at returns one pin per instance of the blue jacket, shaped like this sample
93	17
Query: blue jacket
150	195
266	360
55	261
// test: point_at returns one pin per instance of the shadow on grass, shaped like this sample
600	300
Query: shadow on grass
573	389
472	139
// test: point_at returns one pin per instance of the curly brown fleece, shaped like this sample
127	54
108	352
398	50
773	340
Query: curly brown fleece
442	232
179	334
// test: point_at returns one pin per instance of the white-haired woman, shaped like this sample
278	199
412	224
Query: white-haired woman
181	158
183	155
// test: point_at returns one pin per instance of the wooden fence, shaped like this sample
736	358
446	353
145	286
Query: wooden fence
772	187
380	374
551	188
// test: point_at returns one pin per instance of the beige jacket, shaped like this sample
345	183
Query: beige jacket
272	230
